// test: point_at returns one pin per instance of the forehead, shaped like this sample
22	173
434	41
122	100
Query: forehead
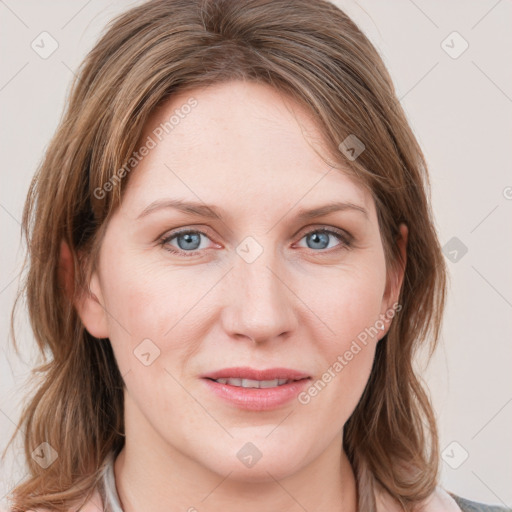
240	142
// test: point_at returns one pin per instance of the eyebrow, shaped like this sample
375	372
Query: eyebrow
211	212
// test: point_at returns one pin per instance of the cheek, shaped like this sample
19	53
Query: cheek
156	315
349	307
346	301
147	297
345	369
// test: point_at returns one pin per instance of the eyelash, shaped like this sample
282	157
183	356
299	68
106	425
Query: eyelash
345	240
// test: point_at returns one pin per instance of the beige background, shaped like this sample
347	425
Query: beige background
460	110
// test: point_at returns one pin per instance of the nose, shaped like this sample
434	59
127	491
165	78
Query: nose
259	303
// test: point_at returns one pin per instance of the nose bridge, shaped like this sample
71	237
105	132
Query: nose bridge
259	306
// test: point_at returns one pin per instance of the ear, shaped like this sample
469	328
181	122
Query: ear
395	279
88	303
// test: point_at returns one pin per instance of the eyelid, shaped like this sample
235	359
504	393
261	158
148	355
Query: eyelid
326	227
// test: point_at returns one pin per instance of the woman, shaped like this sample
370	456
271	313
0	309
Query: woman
207	353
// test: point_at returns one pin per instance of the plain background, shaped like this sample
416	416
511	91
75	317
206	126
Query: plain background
459	107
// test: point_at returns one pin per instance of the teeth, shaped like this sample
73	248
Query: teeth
249	383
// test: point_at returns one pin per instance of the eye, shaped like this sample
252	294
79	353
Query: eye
319	239
189	242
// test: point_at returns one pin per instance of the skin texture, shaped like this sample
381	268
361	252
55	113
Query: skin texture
300	304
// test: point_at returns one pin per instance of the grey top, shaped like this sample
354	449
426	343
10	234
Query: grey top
473	506
111	502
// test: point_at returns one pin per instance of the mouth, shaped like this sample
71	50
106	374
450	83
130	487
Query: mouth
259	384
256	390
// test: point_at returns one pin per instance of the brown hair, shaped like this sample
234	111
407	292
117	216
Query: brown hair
311	51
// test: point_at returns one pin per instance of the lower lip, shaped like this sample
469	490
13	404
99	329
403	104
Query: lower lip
257	399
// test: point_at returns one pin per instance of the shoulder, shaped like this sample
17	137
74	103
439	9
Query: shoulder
474	506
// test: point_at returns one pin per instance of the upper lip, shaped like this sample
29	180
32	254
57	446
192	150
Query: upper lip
254	374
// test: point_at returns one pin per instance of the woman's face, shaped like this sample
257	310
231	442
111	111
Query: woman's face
252	282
